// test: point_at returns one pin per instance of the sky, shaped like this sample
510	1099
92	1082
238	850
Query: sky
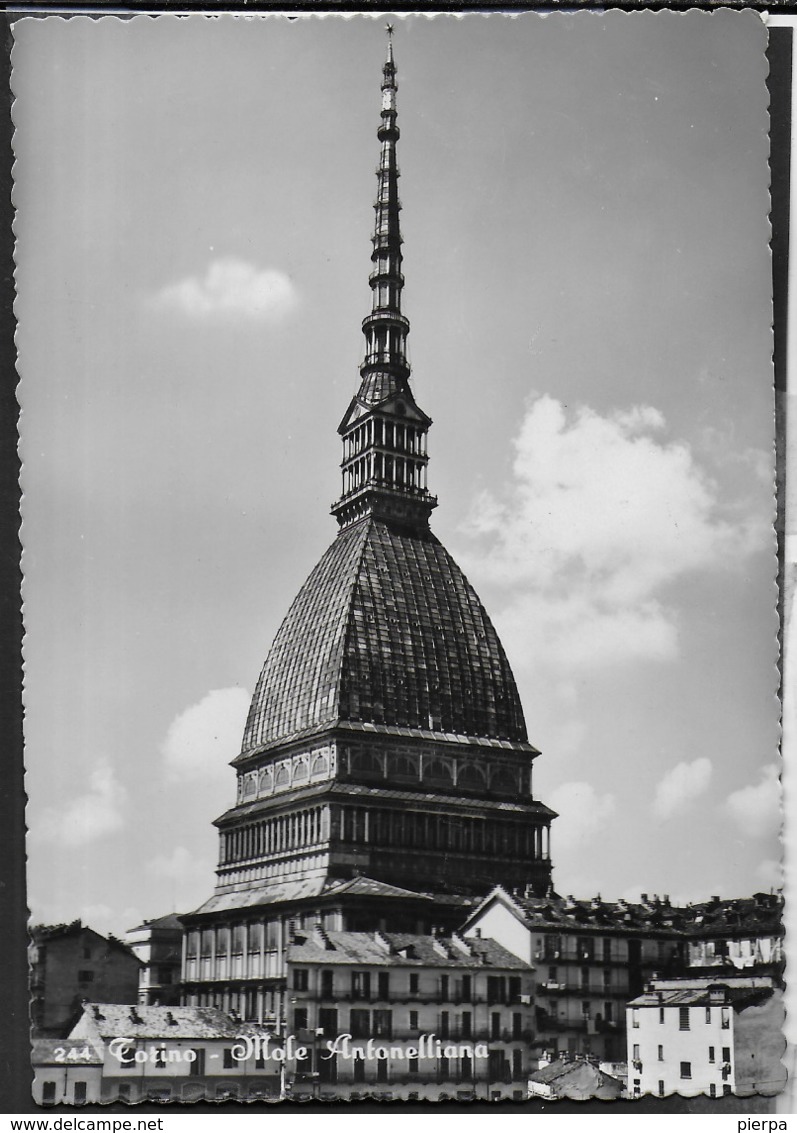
587	280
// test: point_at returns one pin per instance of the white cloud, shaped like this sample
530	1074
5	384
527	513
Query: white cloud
582	813
601	515
232	287
757	809
681	786
203	739
91	815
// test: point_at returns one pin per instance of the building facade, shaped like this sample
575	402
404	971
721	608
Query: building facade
66	1072
384	781
158	944
590	958
178	1054
400	1016
698	1036
70	963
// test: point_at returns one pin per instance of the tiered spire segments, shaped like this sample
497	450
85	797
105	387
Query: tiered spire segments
386	329
384	431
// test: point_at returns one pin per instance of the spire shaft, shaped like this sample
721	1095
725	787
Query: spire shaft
386	329
384	430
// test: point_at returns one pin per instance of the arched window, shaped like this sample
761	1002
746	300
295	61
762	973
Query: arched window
319	766
470	775
366	763
503	779
403	767
436	771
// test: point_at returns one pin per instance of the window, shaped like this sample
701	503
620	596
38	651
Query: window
712	1091
300	979
726	1054
197	1066
466	988
361	985
686	1069
467	1024
708	1014
444	987
360	1023
413	983
517	1064
86	953
661	1014
85	977
726	1089
413	1020
607	949
635	1052
634	1016
384	985
661	1053
126	1058
466	1068
328	1020
496	992
495	1025
607	979
381	1069
443	1024
228	1062
123	1091
48	1093
608	1009
80	1093
726	1018
515	985
300	1018
661	1088
552	974
711	1054
585	979
517	1025
585	1008
359	1070
383	1024
442	1069
683	1018
326	983
412	1065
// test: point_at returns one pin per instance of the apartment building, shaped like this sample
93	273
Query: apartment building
698	1036
408	1017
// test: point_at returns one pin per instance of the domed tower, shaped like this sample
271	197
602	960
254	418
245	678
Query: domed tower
385	775
386	737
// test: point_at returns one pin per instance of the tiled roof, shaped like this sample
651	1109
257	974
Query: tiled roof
738	995
109	1020
401	950
170	921
734	918
577	1079
48	1052
386	630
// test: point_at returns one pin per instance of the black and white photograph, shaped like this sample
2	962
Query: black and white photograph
401	683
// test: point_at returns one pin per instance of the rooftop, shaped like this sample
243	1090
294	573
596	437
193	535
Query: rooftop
388	631
111	1020
401	950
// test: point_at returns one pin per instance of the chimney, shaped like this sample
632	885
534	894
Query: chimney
477	932
644	898
97	1013
666	898
134	1016
170	1019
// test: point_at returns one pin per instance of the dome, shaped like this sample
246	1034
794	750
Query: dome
387	631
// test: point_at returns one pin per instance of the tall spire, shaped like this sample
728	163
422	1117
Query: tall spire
384	431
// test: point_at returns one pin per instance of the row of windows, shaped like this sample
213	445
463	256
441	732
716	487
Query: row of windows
363	985
380	1023
685	1016
726	1054
287	832
377	827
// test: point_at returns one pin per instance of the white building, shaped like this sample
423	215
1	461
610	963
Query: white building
697	1036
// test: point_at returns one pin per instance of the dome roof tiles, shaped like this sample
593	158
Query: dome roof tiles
386	631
